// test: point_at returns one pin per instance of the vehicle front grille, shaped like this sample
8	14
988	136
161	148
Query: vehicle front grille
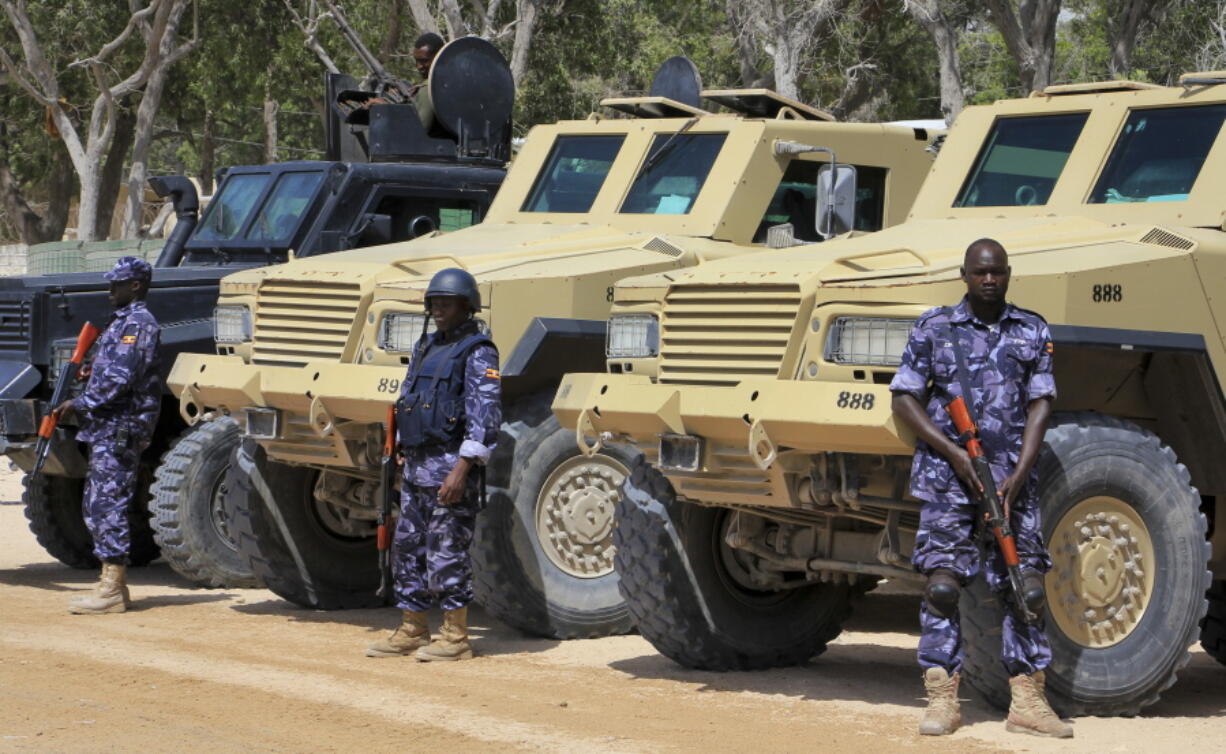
721	335
14	325
299	321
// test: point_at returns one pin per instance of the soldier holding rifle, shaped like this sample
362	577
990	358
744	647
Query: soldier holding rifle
447	420
990	362
118	411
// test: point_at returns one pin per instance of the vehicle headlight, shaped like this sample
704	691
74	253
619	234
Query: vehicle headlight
868	341
632	336
61	352
399	333
231	324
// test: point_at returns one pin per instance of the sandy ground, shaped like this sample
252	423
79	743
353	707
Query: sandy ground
242	670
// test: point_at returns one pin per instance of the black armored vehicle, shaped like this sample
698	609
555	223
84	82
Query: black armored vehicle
387	177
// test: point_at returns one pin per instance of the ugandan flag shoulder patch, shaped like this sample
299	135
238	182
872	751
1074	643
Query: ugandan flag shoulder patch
1049	347
493	374
128	340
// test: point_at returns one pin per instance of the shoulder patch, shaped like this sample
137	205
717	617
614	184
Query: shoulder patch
493	374
1049	347
128	340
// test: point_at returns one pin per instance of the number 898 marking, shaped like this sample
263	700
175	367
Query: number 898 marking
852	400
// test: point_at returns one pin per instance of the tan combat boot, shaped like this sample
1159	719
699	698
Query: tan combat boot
412	634
1029	711
452	642
109	596
942	716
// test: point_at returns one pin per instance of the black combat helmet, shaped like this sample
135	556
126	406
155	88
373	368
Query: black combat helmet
455	282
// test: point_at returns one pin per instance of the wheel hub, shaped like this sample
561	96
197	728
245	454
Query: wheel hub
218	516
574	515
1103	577
338	521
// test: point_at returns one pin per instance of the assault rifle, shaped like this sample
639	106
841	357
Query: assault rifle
387	495
69	372
997	521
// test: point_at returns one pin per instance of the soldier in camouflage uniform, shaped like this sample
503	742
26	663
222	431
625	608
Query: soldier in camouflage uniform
447	418
1008	355
117	412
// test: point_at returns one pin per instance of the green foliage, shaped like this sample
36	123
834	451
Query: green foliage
582	51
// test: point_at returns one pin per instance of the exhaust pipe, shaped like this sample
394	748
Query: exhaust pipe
183	195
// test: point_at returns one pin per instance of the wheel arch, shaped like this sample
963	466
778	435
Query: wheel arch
549	348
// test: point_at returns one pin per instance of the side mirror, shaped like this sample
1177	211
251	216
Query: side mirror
375	229
836	199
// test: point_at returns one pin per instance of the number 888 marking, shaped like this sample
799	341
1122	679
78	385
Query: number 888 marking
848	399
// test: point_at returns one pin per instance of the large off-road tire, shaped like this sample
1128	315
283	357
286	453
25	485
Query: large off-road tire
190	520
681	585
53	508
1213	628
336	571
543	549
1127	536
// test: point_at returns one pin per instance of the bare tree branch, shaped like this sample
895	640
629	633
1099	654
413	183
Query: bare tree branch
137	18
309	26
454	18
788	30
423	18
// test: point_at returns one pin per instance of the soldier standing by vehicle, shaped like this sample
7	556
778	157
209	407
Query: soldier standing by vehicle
117	411
447	419
1007	353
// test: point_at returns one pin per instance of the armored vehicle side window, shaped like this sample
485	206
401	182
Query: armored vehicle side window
1159	154
1021	161
573	174
281	211
796	196
229	210
673	174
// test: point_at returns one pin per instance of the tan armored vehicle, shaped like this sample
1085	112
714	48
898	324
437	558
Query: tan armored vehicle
772	475
319	346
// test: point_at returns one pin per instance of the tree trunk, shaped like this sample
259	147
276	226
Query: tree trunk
929	15
527	13
30	226
208	153
1124	21
112	170
87	203
1030	36
423	19
270	130
395	28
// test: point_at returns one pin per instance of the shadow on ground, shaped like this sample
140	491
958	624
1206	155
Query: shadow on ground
865	665
492	636
60	579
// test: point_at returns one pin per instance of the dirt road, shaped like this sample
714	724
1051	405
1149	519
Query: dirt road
241	670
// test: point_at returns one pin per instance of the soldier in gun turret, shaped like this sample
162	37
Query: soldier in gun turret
117	411
447	421
425	49
1007	352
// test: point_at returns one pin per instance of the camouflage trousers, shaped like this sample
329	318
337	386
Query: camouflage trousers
430	550
110	486
946	539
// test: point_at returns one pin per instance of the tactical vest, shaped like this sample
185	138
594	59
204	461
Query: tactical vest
431	411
